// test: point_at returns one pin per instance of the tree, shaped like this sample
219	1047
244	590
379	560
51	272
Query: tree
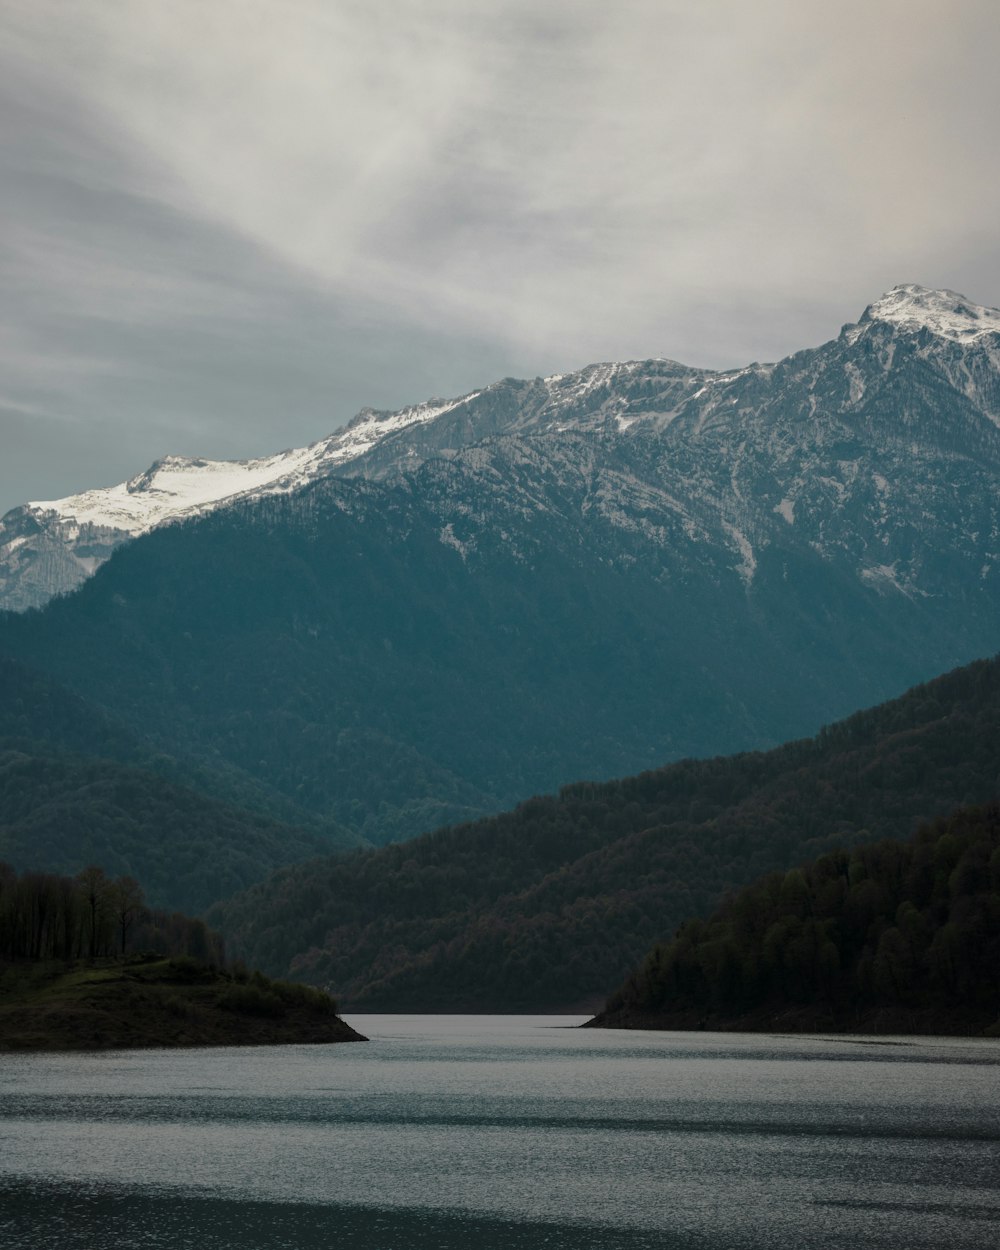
93	885
125	899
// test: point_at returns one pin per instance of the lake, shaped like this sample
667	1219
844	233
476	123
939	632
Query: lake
451	1132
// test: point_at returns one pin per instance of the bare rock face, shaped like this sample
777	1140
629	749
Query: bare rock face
43	554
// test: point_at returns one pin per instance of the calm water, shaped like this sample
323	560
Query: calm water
483	1132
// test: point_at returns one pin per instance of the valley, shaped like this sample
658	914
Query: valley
387	638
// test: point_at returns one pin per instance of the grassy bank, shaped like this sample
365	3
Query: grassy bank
146	1001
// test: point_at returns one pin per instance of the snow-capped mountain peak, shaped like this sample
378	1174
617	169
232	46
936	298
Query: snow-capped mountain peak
176	486
48	546
945	313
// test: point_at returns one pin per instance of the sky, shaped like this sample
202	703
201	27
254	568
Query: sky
227	227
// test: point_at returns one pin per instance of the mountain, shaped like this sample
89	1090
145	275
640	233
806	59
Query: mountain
770	425
440	611
50	546
901	937
551	905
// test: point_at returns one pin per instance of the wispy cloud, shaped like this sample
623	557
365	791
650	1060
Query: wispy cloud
431	188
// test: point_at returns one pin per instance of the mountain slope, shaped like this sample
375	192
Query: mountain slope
550	905
901	937
59	813
332	649
76	787
50	546
577	576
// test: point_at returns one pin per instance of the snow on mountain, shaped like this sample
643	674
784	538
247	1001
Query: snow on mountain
945	313
747	456
176	486
48	547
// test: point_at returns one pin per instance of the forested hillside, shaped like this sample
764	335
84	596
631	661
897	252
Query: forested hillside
553	903
76	788
330	650
900	937
58	813
41	715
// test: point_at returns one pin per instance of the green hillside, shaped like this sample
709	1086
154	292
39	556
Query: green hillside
328	651
59	813
77	788
897	937
552	904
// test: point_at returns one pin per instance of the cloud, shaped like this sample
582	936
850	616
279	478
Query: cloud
444	186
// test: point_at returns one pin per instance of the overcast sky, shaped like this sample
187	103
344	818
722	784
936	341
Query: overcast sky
227	226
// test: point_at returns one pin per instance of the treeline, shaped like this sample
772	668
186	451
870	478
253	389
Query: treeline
553	903
907	934
48	917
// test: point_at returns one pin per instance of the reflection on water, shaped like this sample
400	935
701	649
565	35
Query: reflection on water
507	1132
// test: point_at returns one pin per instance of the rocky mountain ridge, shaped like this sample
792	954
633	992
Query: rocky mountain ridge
847	448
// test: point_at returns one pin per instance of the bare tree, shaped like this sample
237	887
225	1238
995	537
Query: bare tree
125	898
93	886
